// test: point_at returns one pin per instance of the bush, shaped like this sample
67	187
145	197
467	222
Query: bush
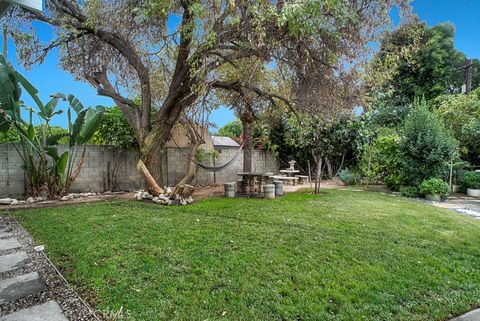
348	177
470	180
461	113
434	186
410	191
381	160
426	146
114	130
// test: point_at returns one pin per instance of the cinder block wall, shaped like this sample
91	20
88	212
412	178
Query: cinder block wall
99	160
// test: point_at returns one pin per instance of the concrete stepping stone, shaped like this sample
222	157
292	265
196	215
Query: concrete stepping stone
473	315
14	261
9	244
49	311
5	233
20	286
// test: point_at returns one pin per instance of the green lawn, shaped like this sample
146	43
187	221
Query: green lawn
341	255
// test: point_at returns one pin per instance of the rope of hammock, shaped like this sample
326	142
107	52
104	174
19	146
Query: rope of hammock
211	168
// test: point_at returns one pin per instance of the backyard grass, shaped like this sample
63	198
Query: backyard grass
341	255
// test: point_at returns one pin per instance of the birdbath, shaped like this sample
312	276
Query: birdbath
292	164
291	171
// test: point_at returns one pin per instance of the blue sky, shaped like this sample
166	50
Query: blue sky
50	78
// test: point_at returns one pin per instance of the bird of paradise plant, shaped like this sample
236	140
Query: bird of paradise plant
48	171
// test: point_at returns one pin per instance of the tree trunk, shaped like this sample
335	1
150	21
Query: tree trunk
329	167
341	165
192	169
248	146
152	185
318	172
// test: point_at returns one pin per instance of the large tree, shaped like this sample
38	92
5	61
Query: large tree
167	53
416	61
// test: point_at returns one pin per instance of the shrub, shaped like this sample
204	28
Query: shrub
426	146
114	130
470	180
434	186
461	113
381	160
348	177
409	191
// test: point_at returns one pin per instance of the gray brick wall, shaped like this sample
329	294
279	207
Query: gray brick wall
98	159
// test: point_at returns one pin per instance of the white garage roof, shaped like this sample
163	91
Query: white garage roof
224	141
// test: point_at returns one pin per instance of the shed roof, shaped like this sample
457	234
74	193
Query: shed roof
224	141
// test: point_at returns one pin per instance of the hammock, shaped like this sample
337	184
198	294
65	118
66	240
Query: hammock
219	168
212	168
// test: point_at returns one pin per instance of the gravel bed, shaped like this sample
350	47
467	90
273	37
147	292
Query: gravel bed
57	289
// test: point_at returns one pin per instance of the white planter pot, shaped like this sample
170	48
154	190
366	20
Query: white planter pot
473	192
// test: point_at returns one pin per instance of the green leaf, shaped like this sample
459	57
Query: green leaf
31	90
92	121
62	163
77	127
75	104
53	139
31	132
52	152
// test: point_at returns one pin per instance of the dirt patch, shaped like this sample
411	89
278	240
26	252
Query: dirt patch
208	191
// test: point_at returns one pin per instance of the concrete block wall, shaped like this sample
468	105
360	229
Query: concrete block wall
12	175
99	159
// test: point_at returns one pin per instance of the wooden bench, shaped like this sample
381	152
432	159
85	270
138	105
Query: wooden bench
291	180
302	179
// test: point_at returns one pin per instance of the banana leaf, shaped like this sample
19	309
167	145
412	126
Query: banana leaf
9	91
52	151
77	127
31	90
75	104
62	163
93	119
50	108
52	140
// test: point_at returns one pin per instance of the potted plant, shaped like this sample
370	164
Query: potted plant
434	189
471	182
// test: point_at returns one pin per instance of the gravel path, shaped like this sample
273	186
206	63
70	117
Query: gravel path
30	283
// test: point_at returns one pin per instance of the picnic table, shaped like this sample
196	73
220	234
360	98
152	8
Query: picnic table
252	181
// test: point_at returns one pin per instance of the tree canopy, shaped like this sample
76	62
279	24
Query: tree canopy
415	61
168	53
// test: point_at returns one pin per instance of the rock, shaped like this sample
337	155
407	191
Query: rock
65	198
183	202
30	200
168	190
14	261
38	199
39	248
50	311
6	201
15	202
76	195
156	199
20	286
9	244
